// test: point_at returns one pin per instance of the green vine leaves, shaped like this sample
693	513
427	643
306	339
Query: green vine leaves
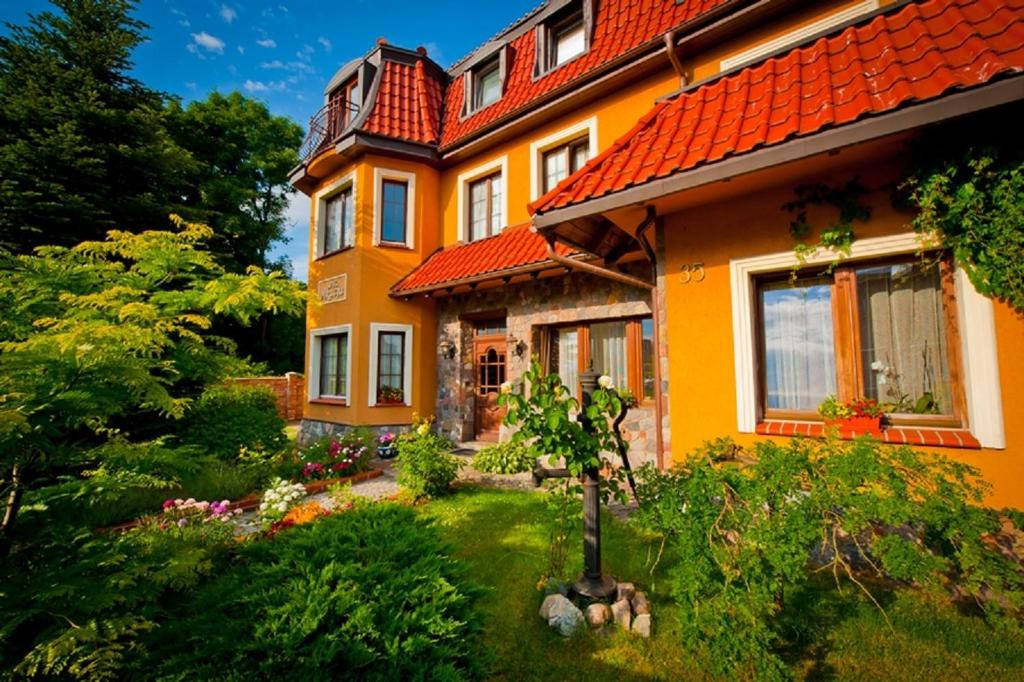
838	235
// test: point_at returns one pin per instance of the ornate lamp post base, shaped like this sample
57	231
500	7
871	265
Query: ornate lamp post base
601	587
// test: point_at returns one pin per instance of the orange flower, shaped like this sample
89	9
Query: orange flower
305	513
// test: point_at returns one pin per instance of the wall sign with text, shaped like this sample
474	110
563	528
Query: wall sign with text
333	289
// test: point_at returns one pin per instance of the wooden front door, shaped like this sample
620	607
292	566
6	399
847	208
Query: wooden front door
489	355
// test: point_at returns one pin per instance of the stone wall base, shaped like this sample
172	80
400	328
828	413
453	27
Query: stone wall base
311	429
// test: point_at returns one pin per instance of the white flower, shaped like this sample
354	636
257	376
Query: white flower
282	507
881	379
506	387
605	382
263	506
878	366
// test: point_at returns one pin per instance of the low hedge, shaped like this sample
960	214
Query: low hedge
369	594
226	418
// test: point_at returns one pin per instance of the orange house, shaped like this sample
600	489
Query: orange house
602	184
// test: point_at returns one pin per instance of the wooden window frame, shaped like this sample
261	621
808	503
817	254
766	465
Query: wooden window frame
846	339
634	352
342	338
546	35
405	211
559	28
347	206
477	93
402	351
567	149
490	229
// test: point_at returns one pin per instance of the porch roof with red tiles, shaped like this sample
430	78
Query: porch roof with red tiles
512	250
916	54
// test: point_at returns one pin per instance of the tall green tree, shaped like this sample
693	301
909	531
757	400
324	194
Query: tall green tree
83	146
239	182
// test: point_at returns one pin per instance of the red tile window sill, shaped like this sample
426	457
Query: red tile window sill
329	401
896	435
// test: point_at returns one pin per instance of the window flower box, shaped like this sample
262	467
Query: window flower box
858	417
390	396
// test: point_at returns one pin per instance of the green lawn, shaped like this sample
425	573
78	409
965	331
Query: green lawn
501	534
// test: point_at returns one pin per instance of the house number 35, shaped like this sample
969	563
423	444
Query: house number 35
691	273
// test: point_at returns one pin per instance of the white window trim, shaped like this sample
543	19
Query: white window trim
797	36
313	386
464	180
375	329
320	210
975	319
379	176
556	139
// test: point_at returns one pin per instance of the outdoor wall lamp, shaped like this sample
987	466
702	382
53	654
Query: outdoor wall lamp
516	346
447	349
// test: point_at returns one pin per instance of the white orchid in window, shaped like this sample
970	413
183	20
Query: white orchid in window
605	382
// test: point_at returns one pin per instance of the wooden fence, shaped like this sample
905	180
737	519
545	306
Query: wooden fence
290	391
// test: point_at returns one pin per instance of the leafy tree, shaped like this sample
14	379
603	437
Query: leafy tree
83	147
107	329
239	184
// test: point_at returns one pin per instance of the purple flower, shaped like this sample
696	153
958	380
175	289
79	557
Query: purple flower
182	523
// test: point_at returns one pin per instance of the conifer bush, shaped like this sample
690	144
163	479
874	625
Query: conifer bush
226	418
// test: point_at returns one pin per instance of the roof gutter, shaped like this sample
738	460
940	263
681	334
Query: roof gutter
935	111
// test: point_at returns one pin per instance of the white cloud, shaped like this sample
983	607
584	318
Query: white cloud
301	66
434	52
207	42
325	42
241	50
267	42
305	53
265	86
276	64
228	14
191	85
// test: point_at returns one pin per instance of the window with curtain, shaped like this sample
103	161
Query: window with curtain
333	366
394	198
799	352
485	207
486	85
904	359
622	349
338	225
883	330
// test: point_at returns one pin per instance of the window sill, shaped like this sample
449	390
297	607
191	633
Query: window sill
894	435
336	252
393	245
395	404
341	402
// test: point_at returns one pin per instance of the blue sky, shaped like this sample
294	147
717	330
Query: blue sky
284	51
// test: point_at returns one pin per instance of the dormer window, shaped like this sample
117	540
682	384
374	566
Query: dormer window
563	36
344	107
568	40
486	85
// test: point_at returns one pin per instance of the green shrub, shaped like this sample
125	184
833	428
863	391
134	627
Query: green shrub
505	458
227	418
426	467
739	536
369	594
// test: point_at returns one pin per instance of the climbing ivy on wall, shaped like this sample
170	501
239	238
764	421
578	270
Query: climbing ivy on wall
838	235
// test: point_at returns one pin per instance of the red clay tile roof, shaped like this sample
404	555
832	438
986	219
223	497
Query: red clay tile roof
515	247
408	104
915	54
619	26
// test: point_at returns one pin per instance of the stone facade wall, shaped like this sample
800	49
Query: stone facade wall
529	306
313	429
290	391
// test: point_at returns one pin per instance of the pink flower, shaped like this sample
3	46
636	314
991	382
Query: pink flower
168	504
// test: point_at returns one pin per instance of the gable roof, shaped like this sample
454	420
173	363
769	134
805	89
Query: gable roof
408	104
913	55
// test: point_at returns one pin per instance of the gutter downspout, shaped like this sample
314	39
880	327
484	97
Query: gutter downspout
670	50
598	271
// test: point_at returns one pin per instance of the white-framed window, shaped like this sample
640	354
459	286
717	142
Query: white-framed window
486	85
798	35
390	364
556	156
330	362
790	351
394	204
335	211
483	200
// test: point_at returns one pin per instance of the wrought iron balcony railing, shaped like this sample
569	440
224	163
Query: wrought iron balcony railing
326	126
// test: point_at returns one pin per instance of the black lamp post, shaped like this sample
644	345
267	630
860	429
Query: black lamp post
592	584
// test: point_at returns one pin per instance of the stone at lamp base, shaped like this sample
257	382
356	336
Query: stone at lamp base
595	588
